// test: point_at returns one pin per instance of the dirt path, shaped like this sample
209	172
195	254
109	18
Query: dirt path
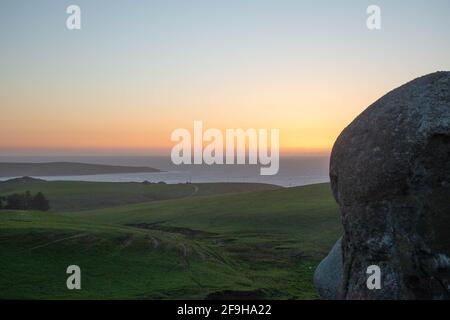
59	240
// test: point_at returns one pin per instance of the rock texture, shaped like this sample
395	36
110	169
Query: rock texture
328	274
390	174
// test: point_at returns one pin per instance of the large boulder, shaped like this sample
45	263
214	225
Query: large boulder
328	274
390	174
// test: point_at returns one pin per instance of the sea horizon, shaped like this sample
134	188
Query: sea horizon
295	170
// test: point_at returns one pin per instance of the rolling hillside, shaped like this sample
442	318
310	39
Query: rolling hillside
259	244
79	195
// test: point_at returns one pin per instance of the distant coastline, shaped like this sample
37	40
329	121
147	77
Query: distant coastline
47	169
294	170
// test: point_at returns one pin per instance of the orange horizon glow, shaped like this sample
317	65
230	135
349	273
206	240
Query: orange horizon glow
159	144
140	151
308	121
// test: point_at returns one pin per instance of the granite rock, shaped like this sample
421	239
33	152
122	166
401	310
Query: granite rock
328	274
390	174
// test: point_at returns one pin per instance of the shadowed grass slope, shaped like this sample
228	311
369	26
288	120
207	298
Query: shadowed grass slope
262	244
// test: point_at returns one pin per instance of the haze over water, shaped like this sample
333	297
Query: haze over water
294	170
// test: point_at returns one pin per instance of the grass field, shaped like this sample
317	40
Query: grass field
167	241
79	195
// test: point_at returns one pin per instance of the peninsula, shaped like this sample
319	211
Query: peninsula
42	169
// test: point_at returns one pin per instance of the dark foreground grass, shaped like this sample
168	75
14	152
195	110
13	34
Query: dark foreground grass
262	244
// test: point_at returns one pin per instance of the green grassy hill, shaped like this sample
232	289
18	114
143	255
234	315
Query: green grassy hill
260	244
80	195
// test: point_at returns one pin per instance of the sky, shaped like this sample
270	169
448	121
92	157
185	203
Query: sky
137	70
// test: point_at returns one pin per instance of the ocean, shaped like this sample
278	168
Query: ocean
294	170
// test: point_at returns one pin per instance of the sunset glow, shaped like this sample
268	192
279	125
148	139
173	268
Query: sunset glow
123	86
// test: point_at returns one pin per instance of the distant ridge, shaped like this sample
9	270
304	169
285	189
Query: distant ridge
20	169
24	179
